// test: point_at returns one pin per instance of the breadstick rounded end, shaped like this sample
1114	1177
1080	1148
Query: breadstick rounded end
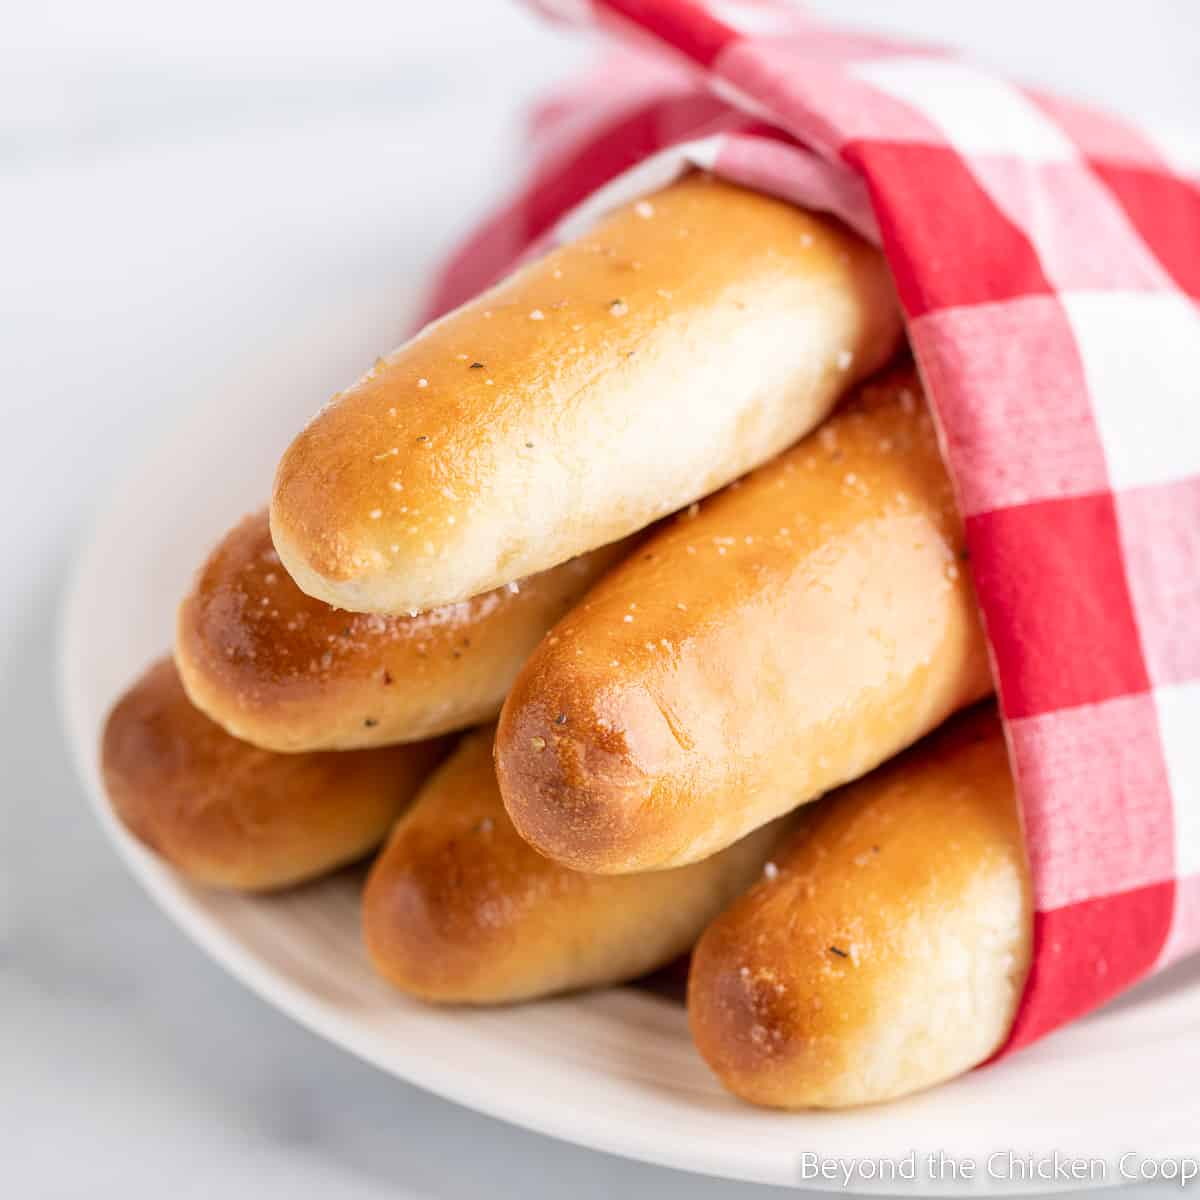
370	526
457	908
888	948
569	760
229	815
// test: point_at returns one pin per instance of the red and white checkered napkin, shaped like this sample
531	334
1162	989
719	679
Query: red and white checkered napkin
1048	260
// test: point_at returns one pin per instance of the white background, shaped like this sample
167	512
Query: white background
186	191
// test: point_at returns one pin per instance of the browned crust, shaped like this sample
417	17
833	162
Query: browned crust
289	673
225	813
459	909
889	948
785	636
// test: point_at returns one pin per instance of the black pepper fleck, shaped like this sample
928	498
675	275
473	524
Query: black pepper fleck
838	951
370	722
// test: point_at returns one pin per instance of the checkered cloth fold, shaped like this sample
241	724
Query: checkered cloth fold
1047	257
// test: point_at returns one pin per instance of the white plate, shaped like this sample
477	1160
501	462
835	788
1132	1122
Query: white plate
612	1070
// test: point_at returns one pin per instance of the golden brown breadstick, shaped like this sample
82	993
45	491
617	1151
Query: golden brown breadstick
227	814
458	909
686	339
888	948
289	673
799	629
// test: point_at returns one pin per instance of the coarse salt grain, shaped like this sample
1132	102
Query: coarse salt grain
537	315
770	871
375	514
422	383
844	359
644	209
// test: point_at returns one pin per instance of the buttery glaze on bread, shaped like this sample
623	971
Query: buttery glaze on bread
289	673
458	909
785	637
889	948
686	339
227	814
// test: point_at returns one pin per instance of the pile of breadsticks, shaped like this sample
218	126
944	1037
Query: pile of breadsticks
606	520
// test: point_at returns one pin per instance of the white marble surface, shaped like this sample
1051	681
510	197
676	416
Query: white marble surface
190	177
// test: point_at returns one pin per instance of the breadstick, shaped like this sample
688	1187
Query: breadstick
227	814
686	339
792	634
458	909
289	673
888	949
